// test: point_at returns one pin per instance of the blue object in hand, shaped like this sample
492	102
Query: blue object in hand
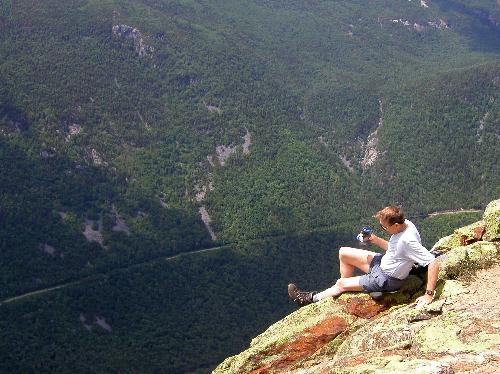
365	232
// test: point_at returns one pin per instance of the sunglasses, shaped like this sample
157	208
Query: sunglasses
386	227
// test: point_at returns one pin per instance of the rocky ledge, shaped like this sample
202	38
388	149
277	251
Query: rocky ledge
458	333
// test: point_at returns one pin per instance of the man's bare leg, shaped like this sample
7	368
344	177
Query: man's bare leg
351	258
342	285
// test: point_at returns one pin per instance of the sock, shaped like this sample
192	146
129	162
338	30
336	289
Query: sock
315	298
332	291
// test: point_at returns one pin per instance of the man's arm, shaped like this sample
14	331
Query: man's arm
378	241
432	276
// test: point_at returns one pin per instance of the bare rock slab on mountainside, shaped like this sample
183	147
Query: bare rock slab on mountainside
458	332
127	32
93	231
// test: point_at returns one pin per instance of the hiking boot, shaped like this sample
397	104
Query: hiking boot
300	297
376	295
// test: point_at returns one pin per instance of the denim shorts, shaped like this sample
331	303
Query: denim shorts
376	281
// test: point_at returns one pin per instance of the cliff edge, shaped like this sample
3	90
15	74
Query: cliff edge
458	333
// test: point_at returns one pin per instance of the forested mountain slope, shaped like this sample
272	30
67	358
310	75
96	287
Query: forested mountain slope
135	130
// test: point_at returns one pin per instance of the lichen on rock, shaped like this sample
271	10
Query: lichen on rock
465	259
444	336
470	233
446	243
491	219
268	347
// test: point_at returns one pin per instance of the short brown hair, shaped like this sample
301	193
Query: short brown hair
392	214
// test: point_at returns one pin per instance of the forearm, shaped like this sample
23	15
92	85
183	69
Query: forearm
432	275
379	242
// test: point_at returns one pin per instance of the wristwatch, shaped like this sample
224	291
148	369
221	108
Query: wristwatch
429	292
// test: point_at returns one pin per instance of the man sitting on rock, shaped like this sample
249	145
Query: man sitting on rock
384	273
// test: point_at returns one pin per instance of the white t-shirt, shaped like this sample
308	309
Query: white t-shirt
405	249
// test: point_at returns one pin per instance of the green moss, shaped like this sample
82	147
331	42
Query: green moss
482	253
465	261
489	339
442	336
390	359
375	364
412	312
445	244
451	288
451	263
391	331
491	218
396	364
418	366
332	347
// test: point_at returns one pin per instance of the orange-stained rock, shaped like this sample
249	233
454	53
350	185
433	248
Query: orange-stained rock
362	307
472	233
313	338
479	232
